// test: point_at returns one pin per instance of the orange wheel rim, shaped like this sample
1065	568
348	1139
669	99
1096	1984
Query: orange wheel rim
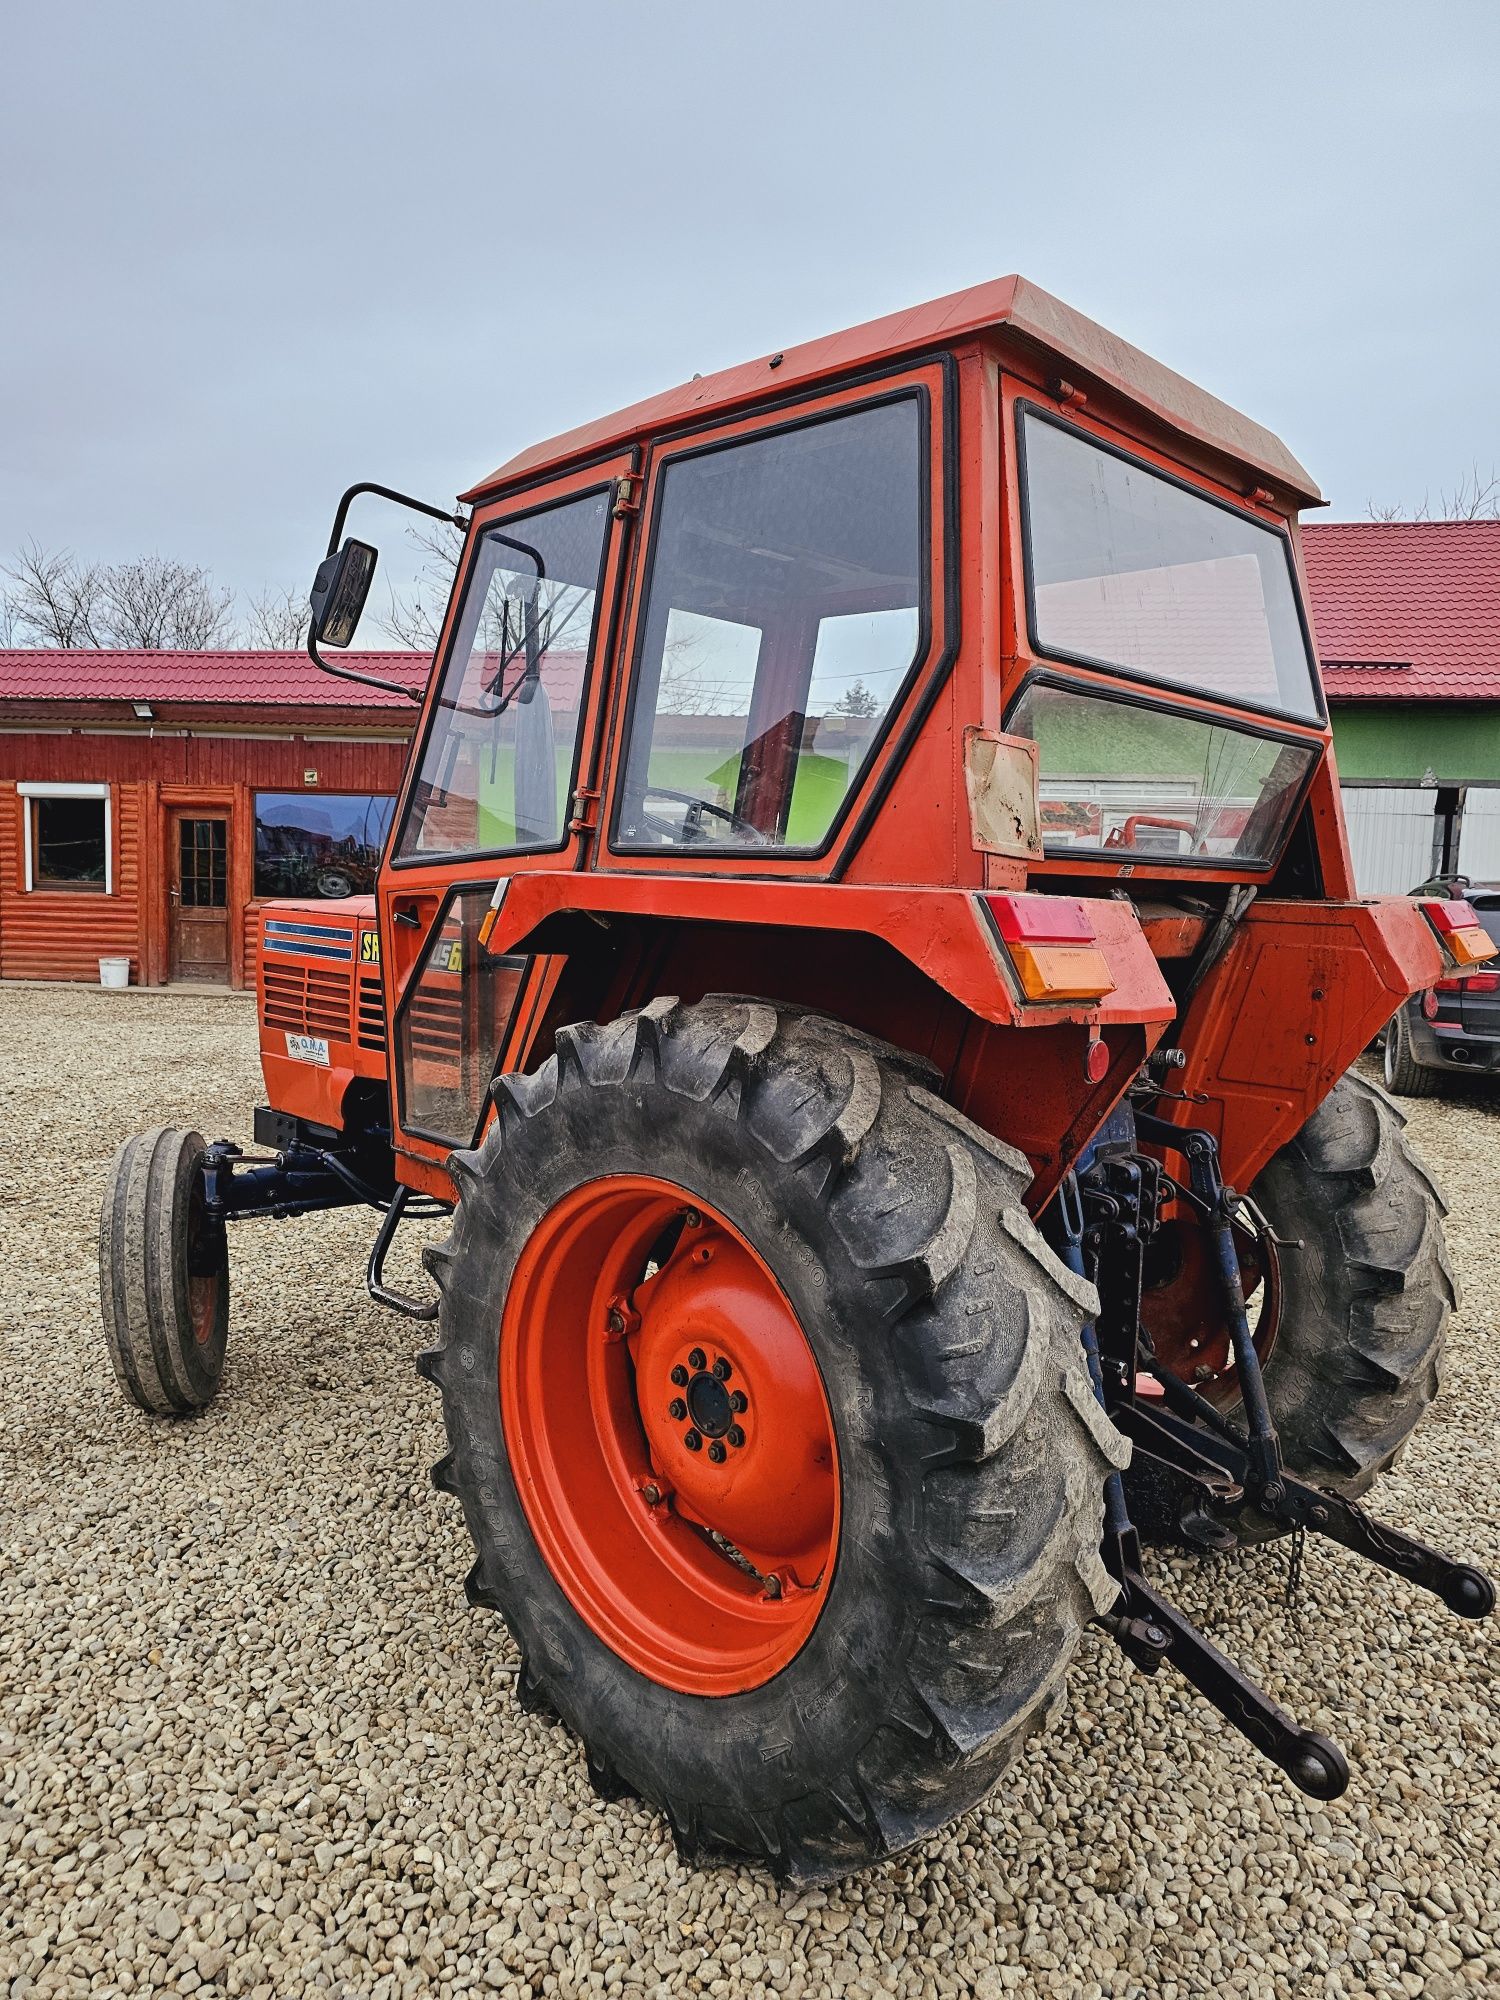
203	1306
669	1435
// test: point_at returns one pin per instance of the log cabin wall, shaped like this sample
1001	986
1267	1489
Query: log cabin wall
153	772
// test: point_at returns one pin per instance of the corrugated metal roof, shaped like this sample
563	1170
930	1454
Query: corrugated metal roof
1406	610
271	680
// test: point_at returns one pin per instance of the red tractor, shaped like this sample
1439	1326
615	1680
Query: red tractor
866	952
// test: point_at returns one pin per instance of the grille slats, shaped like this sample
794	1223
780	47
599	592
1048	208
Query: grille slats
371	1020
307	999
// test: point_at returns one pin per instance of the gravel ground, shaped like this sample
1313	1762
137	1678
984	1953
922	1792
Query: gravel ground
251	1741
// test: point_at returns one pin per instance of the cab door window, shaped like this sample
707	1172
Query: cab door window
785	611
497	766
452	1021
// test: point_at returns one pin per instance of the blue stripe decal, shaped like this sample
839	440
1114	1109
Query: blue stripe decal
306	930
308	950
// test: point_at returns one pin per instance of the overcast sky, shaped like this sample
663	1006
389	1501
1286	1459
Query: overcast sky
249	254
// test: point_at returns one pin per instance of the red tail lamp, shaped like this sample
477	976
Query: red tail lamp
1050	942
1459	931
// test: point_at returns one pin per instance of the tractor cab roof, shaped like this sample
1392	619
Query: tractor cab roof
1009	307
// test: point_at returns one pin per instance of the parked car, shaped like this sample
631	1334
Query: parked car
1455	1025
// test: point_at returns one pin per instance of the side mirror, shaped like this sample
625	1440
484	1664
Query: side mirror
339	591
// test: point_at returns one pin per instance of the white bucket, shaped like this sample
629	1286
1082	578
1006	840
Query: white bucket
114	972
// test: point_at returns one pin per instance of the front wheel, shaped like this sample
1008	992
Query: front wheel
163	1275
771	1426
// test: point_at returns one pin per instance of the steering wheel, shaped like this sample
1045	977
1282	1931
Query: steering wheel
693	829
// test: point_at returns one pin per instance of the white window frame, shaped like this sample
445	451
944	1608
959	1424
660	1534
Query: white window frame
28	792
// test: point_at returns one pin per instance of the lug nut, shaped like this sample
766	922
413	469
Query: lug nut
697	1359
738	1400
680	1376
722	1369
651	1494
693	1441
616	1320
716	1452
735	1434
691	1217
677	1408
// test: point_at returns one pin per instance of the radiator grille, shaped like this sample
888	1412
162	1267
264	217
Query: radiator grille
371	1013
308	999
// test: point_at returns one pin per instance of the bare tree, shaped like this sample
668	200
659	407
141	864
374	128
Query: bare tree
158	603
277	620
54	599
416	618
1474	498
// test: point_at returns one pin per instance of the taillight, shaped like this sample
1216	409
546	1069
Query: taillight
1430	1001
1459	930
1480	982
1050	942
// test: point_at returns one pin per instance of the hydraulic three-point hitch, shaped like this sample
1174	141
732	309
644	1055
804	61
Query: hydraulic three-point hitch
1197	1478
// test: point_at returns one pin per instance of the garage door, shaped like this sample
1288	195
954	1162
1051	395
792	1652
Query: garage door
1479	834
1393	837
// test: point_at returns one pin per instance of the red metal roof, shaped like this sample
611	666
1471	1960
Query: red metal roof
216	680
1406	610
1011	305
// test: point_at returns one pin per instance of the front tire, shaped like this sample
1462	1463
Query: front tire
163	1275
903	1292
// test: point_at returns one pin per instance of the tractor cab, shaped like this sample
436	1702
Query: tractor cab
866	954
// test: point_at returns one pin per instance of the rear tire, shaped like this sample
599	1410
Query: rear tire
970	1451
163	1275
1403	1073
1358	1354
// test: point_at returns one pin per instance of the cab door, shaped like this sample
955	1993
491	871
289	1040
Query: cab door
501	780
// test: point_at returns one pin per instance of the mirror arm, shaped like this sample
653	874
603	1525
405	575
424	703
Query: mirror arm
401	500
367	680
387	493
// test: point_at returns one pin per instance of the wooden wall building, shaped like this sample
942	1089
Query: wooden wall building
151	801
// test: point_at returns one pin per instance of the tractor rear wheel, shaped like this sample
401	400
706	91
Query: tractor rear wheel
1367	1296
768	1413
163	1275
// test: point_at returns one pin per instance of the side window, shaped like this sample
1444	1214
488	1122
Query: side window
451	1022
782	618
67	842
497	765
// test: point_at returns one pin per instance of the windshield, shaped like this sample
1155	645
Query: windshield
497	766
1144	781
1127	569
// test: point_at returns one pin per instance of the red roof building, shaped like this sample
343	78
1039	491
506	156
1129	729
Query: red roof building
150	801
1407	618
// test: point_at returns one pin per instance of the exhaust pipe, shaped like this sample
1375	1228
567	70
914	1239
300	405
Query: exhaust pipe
1462	1053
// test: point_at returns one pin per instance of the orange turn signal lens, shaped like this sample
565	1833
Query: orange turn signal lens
1062	971
1470	944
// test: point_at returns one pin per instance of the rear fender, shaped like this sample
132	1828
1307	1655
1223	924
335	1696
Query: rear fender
1302	989
943	933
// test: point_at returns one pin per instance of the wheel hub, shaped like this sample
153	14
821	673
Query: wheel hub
708	1404
670	1434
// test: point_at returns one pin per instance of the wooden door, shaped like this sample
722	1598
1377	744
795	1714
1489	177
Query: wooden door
199	896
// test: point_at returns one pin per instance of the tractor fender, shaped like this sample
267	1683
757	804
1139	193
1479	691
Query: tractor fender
944	933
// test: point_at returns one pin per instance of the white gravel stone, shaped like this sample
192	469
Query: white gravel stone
252	1742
